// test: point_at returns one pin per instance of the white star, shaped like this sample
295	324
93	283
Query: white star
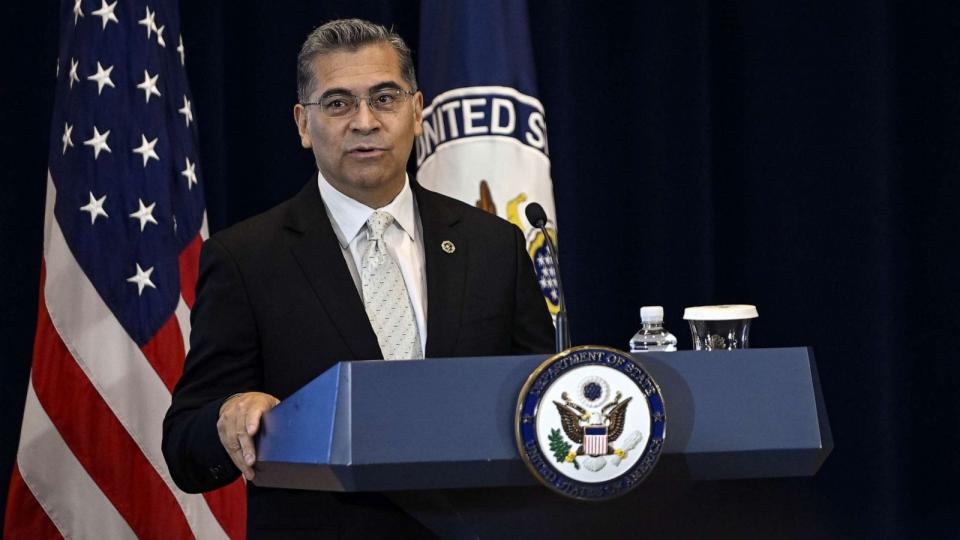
142	279
102	76
106	12
159	32
73	72
190	174
185	111
95	207
144	214
149	85
182	51
146	149
67	140
58	69
76	11
148	22
98	142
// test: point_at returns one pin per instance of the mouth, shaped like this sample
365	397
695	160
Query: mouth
364	150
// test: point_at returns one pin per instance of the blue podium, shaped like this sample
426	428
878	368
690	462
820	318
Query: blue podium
435	430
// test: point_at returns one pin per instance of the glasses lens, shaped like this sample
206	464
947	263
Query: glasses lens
386	100
338	105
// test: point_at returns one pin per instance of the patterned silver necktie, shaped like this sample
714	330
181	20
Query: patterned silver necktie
385	296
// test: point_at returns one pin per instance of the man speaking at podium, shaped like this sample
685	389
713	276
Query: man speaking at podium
361	264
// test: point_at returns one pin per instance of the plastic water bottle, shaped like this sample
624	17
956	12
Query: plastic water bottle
652	336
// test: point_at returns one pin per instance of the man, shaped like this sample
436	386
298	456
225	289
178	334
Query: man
361	264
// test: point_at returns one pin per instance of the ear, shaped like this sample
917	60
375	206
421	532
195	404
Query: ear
418	113
300	117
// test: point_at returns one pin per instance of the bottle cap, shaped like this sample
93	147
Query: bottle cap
727	312
651	314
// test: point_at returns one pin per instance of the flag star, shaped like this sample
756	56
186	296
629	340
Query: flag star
142	279
159	32
95	208
185	111
144	214
76	11
98	142
58	69
190	174
106	12
148	21
149	85
67	139
73	72
102	77
182	51
146	149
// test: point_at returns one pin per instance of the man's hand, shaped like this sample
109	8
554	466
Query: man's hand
238	423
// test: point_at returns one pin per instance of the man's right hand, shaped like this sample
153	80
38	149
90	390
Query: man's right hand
238	423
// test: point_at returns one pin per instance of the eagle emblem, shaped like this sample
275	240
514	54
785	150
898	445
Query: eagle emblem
593	431
590	422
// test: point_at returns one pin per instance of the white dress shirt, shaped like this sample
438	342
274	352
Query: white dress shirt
404	241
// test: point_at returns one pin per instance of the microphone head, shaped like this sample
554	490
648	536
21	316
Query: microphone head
535	215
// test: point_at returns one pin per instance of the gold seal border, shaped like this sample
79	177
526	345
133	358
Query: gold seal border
517	418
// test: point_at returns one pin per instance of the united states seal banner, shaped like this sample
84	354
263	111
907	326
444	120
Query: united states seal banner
484	137
125	218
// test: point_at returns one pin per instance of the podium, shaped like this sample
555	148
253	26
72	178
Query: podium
439	434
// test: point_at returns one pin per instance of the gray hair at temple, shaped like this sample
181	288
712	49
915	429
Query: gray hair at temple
348	35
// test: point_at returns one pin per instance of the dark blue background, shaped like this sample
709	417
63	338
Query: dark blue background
800	156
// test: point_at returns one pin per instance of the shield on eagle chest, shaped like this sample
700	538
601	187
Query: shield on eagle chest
595	440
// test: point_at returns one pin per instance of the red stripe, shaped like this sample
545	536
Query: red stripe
189	270
99	440
25	516
165	352
229	506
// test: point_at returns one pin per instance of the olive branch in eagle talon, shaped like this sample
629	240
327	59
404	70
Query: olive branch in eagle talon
561	448
574	418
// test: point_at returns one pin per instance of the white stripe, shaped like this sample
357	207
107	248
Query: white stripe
483	91
61	485
113	363
183	320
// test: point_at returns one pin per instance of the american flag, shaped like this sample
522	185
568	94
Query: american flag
595	441
124	222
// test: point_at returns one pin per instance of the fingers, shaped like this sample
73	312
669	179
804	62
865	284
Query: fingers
238	423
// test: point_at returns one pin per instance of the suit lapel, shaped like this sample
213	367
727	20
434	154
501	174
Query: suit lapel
317	251
446	272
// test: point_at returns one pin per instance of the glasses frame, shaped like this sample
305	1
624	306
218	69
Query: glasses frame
357	99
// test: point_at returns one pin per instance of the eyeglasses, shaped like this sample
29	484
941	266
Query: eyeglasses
388	100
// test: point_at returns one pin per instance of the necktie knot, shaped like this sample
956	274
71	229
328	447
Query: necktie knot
377	223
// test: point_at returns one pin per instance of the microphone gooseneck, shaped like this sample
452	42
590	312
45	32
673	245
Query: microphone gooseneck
538	218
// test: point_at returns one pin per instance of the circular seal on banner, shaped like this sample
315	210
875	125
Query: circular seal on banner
590	423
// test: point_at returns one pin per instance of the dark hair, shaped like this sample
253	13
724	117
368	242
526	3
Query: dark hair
349	35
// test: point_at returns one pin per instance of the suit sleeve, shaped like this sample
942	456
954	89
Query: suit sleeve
224	359
532	326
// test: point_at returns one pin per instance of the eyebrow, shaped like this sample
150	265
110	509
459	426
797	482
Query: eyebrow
375	88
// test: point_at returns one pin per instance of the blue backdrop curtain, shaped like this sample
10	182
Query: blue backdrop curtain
800	156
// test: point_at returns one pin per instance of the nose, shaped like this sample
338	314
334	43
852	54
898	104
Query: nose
364	120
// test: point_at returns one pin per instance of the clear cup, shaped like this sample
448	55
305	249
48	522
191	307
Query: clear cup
720	328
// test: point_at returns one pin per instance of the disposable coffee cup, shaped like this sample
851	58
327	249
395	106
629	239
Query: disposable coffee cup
720	328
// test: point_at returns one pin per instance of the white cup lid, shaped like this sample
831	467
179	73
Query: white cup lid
727	312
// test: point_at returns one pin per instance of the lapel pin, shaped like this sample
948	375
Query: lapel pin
448	246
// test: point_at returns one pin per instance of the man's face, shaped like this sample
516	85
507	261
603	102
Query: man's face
364	154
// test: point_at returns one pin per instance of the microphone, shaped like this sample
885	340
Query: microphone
538	218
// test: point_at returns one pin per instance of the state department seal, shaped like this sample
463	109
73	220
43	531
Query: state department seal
590	423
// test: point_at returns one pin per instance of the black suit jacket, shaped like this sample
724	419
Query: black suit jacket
276	306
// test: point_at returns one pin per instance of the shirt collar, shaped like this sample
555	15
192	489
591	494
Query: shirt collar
349	215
